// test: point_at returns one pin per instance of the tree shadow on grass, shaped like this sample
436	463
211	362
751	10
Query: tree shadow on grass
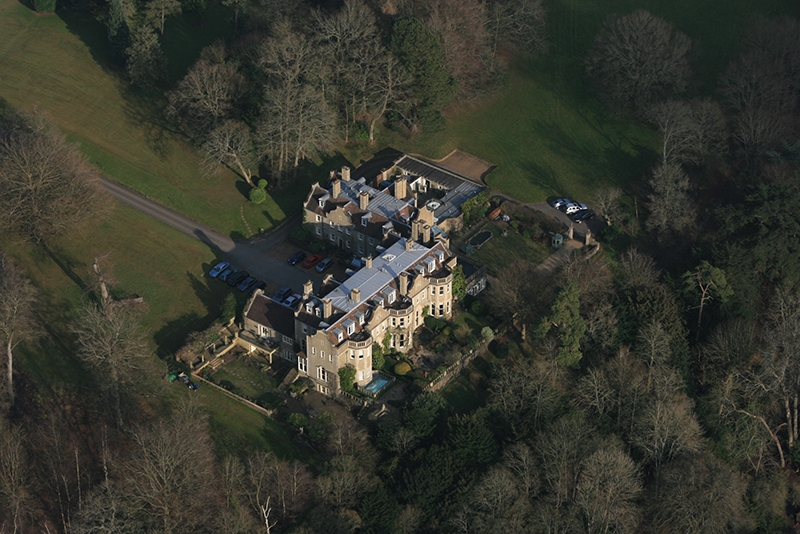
172	335
65	262
208	296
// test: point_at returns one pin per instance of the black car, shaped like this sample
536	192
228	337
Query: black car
297	257
227	273
236	279
583	215
245	284
283	293
258	285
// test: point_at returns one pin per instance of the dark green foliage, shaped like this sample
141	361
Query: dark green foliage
44	6
568	324
228	308
421	53
478	308
476	207
378	509
402	369
422	416
471	440
257	195
262	184
429	482
347	377
298	420
145	62
193	6
459	283
434	323
760	246
378	360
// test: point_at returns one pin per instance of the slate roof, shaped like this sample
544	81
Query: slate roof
445	178
269	313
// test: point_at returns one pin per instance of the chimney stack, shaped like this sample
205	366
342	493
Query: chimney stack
336	189
385	174
400	187
403	283
346	173
327	309
368	263
415	230
363	200
409	244
426	234
327	279
308	288
355	294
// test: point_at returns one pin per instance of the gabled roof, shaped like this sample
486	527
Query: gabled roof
380	202
383	272
443	177
265	311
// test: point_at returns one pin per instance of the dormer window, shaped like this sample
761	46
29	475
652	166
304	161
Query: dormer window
310	307
364	221
318	312
350	327
430	263
339	334
439	255
390	294
359	317
323	199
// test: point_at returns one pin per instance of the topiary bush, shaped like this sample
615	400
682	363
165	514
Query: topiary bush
262	184
478	308
257	196
402	369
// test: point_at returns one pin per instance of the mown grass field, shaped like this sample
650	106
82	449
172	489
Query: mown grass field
58	63
543	129
500	252
167	269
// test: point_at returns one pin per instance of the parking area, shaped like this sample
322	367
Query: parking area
268	263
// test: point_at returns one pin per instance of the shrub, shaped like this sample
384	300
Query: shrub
478	308
473	343
298	233
298	420
487	334
257	196
435	324
402	368
262	184
347	377
360	131
514	224
527	234
316	246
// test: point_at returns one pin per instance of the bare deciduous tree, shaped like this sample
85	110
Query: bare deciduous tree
157	11
231	145
344	482
111	340
288	484
17	298
607	203
608	488
698	494
671	208
521	23
690	131
47	186
164	470
206	96
13	475
637	58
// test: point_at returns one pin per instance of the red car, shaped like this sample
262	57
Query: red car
312	260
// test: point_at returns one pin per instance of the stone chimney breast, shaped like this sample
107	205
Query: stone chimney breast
368	262
336	189
355	294
327	309
346	173
400	187
363	200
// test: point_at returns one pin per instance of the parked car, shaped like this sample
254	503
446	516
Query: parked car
227	273
583	215
293	301
297	257
312	260
193	386
324	265
571	208
237	278
560	202
245	284
218	268
258	285
283	293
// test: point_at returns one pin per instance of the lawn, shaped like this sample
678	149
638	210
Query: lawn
166	268
247	380
547	135
500	252
59	63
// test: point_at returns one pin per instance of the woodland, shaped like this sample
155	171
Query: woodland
651	388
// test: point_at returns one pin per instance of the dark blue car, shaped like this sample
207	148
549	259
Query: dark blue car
297	257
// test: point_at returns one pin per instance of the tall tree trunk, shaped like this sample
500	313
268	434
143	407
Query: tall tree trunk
9	351
789	425
771	433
